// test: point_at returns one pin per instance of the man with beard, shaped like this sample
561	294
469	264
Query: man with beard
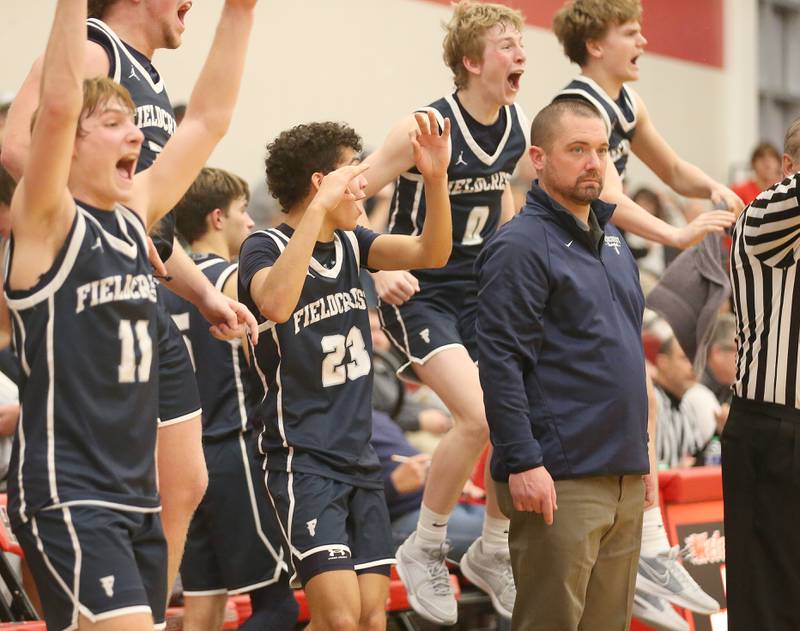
562	369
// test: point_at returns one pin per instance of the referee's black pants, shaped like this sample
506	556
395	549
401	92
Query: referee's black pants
761	485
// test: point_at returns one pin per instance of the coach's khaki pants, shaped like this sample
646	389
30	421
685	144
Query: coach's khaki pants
579	573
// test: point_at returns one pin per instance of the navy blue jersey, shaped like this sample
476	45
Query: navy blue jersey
476	180
228	389
85	336
619	116
154	114
317	366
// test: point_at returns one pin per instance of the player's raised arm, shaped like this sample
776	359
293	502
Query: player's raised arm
17	132
395	155
42	195
208	115
431	150
633	218
275	290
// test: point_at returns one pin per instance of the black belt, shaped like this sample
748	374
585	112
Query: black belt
786	412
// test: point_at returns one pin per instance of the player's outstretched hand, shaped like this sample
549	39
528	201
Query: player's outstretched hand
703	225
345	183
431	147
229	319
725	198
534	491
395	287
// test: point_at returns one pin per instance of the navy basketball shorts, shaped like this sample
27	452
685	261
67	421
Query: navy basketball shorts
234	543
433	320
331	525
96	562
178	397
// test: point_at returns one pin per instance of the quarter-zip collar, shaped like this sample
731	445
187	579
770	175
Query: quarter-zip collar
599	215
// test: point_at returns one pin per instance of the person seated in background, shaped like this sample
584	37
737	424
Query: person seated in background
766	164
414	412
720	371
687	410
404	471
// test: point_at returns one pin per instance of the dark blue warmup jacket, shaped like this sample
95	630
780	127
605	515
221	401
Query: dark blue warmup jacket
559	345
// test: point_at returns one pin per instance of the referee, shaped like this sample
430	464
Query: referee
761	440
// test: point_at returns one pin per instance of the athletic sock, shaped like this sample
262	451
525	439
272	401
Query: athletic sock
654	535
431	527
494	537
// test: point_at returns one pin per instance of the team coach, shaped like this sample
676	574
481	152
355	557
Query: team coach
562	369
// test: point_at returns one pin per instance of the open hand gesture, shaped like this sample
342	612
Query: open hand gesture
431	148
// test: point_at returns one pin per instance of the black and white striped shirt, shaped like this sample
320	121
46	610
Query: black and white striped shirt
766	295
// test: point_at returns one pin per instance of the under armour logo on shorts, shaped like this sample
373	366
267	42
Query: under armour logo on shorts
107	583
312	527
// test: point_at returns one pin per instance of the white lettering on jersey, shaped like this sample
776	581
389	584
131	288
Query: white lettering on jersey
495	182
150	115
115	289
329	306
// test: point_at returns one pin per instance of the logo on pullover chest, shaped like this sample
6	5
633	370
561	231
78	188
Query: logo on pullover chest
613	242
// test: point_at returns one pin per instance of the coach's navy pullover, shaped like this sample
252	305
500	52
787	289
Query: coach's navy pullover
559	345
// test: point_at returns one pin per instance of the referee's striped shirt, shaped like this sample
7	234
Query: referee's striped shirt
766	295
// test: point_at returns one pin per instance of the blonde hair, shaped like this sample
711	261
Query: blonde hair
466	31
98	91
581	21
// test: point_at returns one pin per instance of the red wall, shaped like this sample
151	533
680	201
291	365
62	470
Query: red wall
691	30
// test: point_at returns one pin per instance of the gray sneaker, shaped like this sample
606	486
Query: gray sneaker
657	613
492	573
427	581
664	576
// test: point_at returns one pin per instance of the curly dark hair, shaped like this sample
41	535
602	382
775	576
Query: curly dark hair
301	151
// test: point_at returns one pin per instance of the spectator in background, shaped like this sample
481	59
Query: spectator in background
687	411
404	470
180	111
720	371
650	256
412	415
766	164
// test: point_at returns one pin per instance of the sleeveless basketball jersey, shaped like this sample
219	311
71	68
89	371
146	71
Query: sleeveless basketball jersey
619	116
84	336
476	181
154	114
228	389
316	367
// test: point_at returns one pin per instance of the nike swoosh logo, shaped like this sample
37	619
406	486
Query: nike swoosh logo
570	243
435	525
660	578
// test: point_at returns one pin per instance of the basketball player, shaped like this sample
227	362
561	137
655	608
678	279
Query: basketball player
605	39
314	358
82	490
434	329
121	47
233	546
